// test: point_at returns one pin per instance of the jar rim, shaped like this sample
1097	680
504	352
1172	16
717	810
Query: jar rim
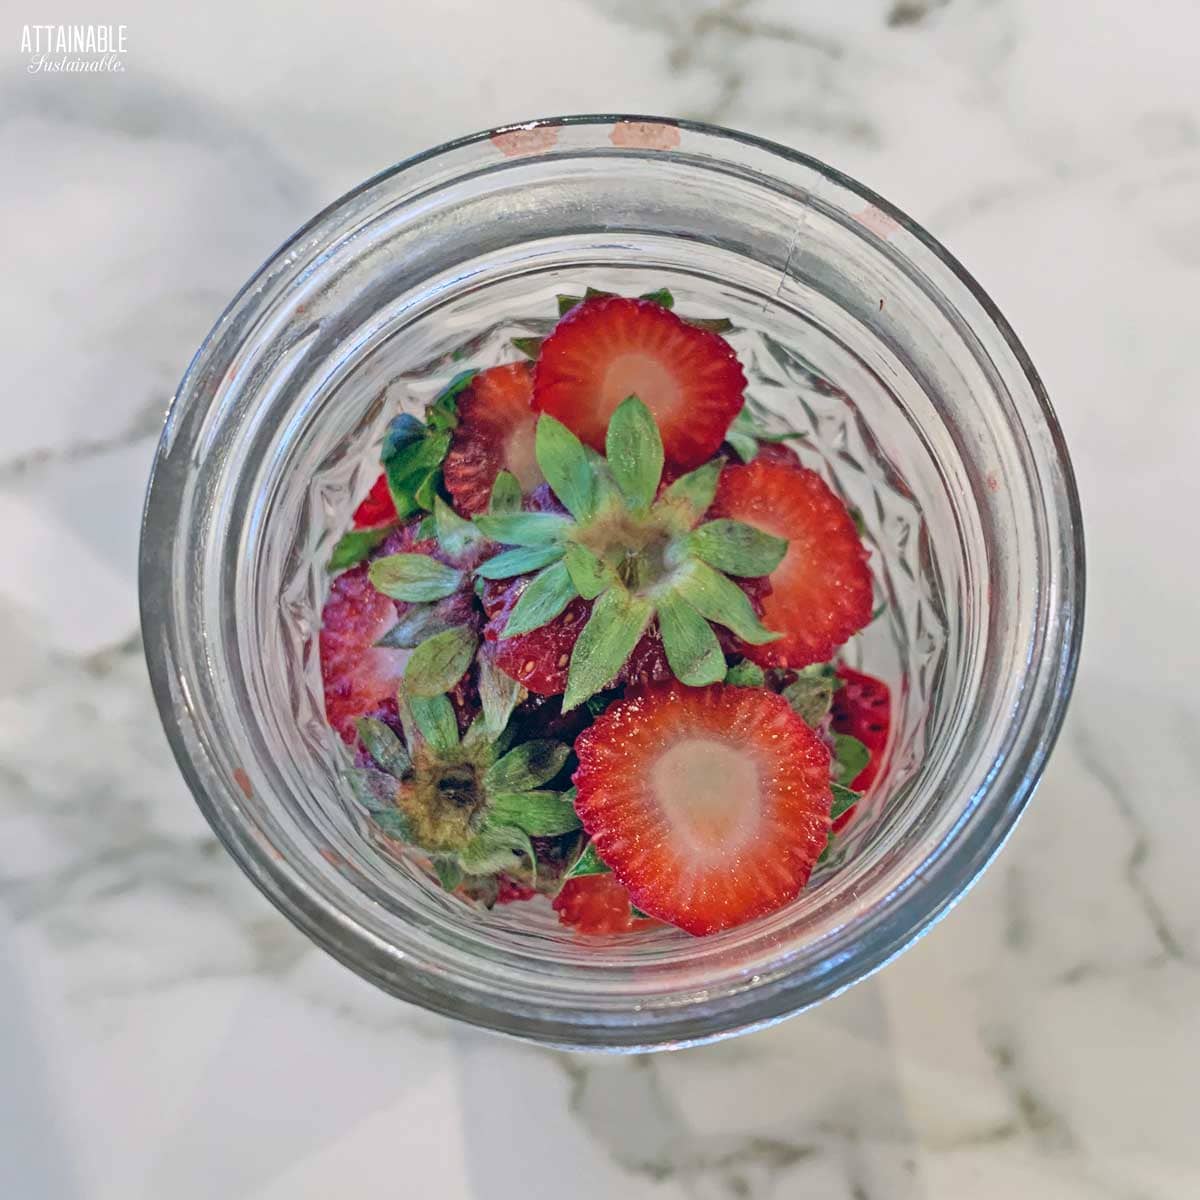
871	939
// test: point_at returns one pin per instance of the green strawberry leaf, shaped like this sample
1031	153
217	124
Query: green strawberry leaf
693	651
634	451
371	789
661	297
850	757
617	622
539	814
605	493
448	872
691	495
523	528
413	577
434	717
427	490
412	457
493	849
598	703
811	694
394	823
527	766
506	494
499	694
544	597
455	534
383	746
746	674
442	414
843	800
520	561
792	435
439	662
531	347
355	546
712	324
589	574
566	303
717	599
744	446
404	432
588	863
564	463
745	434
737	548
418	623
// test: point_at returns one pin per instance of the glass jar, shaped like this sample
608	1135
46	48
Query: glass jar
856	328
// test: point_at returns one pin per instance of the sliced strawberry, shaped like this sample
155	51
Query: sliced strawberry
862	707
607	349
377	509
711	805
538	659
511	890
821	591
494	433
360	679
597	904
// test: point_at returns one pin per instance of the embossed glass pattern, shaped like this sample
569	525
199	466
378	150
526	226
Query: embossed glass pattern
857	329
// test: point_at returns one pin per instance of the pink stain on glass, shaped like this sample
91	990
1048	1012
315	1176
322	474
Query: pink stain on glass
645	135
531	140
877	221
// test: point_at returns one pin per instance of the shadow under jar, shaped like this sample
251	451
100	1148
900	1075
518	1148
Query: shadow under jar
855	328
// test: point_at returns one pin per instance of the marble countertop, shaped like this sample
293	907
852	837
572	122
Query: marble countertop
164	1033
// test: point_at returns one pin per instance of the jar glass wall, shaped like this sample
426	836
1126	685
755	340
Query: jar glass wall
856	328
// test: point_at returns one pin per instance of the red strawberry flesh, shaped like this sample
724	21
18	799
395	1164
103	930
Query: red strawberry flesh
862	707
609	348
821	592
711	805
597	904
377	508
359	678
495	433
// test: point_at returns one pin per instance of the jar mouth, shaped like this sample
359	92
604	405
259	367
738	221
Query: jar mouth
921	405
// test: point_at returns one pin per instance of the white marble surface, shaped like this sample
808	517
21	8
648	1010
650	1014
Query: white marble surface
163	1033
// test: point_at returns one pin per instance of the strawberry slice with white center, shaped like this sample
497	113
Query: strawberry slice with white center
610	348
821	592
495	433
711	805
360	678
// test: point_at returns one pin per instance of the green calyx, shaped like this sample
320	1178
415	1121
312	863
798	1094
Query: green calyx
413	450
811	693
746	435
411	457
638	556
471	802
